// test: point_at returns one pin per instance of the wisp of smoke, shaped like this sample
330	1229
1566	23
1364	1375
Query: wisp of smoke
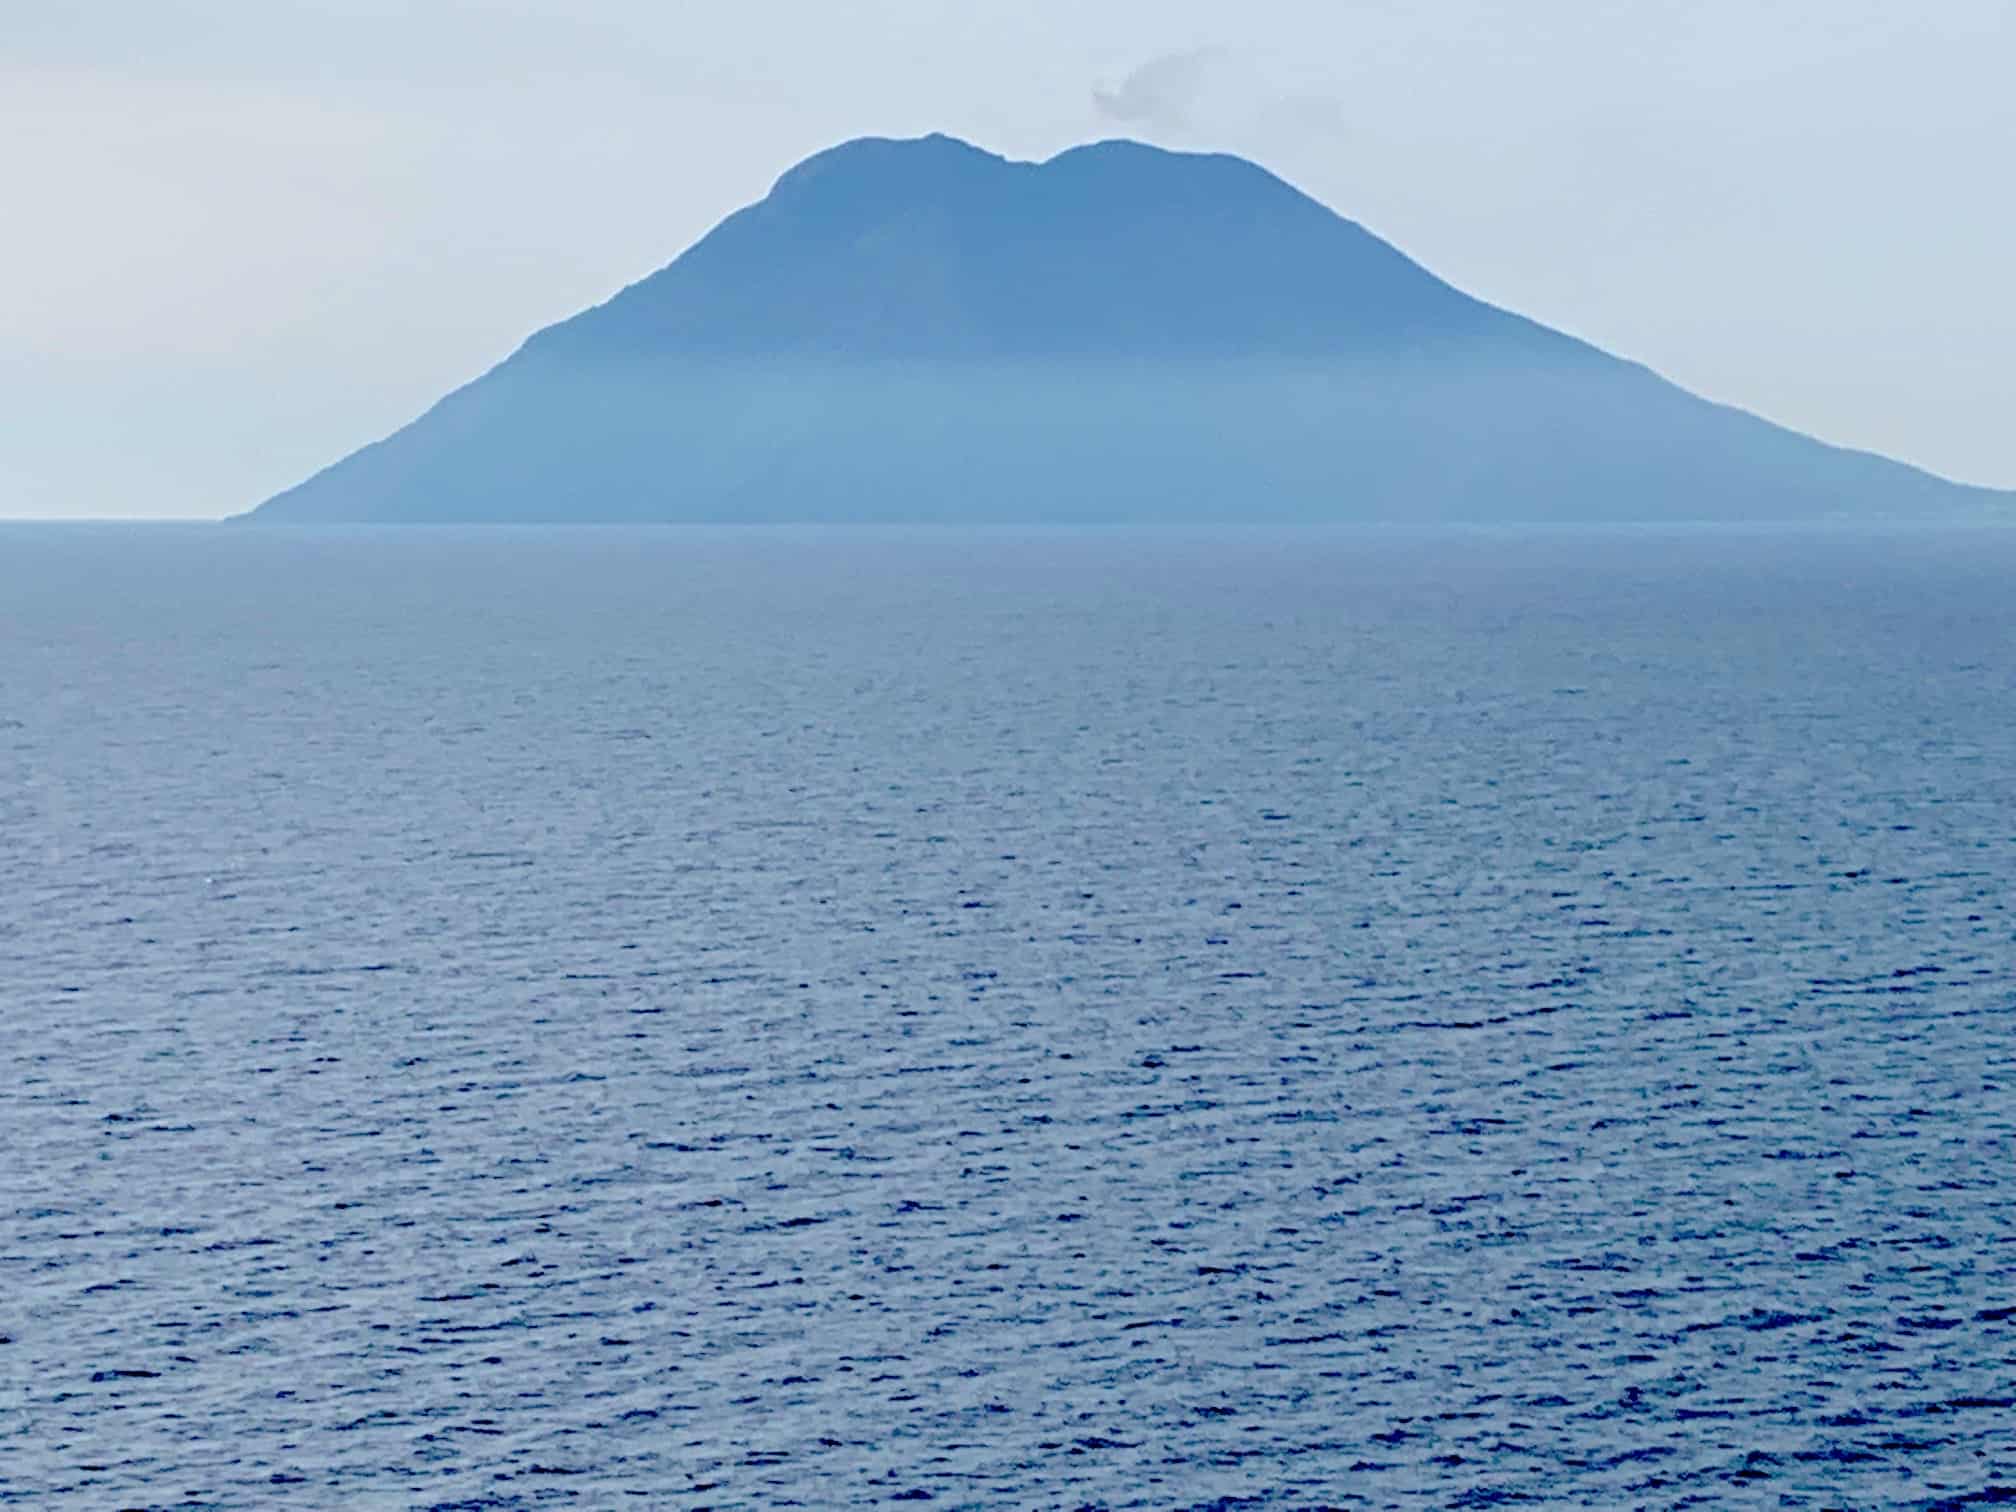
1161	91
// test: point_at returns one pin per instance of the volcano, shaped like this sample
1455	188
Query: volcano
923	331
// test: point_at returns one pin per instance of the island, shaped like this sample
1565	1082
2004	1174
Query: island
923	331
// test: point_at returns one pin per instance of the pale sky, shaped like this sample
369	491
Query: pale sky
243	237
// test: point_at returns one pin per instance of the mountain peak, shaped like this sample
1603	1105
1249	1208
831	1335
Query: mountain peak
937	158
872	160
932	247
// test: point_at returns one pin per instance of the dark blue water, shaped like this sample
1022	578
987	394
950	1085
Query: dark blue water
1104	1020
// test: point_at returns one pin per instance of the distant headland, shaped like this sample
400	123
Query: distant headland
923	331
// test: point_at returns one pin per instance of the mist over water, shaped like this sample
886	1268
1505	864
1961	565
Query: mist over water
1119	1019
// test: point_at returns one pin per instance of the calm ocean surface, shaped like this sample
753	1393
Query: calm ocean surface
1084	1020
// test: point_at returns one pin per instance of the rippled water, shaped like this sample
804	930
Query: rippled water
1082	1020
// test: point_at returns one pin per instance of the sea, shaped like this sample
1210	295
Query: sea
508	1018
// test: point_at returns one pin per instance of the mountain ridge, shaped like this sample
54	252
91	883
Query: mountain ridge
909	329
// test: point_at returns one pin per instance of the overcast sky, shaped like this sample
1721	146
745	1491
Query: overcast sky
243	237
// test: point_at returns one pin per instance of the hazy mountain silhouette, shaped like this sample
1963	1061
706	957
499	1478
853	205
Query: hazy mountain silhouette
920	330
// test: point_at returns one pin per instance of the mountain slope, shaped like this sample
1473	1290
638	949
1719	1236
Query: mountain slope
919	330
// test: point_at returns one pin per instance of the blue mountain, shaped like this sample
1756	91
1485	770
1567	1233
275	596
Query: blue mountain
922	331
